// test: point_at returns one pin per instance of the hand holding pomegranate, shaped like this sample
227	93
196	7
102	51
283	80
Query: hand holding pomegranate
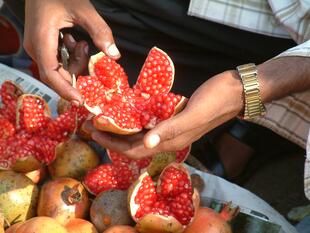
205	110
44	19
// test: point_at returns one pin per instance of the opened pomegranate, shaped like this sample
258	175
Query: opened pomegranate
63	199
7	128
13	228
209	221
9	93
78	225
33	113
165	206
29	135
41	225
18	197
74	158
124	110
110	176
110	208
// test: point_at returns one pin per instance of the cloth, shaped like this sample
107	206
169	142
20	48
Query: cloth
289	116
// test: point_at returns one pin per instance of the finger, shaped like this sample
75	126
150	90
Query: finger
99	31
132	149
46	54
69	42
168	129
79	58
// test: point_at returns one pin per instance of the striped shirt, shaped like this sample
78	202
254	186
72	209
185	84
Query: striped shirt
289	116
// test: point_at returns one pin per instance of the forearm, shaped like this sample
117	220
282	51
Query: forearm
283	76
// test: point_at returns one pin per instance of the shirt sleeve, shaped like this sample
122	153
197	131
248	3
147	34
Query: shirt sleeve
294	15
302	50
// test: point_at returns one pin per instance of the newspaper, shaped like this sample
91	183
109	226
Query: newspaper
256	215
30	85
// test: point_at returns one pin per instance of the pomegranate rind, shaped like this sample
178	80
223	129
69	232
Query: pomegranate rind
107	124
156	223
92	61
26	164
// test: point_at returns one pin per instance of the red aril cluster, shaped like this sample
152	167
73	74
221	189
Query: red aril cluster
167	205
28	133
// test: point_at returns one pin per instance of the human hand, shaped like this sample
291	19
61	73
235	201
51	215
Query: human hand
216	101
43	21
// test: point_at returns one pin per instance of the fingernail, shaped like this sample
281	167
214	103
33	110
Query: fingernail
113	51
153	140
70	37
75	103
86	49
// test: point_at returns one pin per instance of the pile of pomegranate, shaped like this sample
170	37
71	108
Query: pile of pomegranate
52	180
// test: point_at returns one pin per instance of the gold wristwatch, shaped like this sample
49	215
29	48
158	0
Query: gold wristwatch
253	106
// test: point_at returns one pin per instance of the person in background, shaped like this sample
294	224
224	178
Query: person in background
207	41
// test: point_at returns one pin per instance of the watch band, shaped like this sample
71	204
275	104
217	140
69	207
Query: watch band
253	105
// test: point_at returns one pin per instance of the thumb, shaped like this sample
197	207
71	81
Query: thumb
99	31
166	130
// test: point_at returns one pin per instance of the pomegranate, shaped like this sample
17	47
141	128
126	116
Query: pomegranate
124	110
9	93
167	206
37	175
29	135
1	223
78	225
63	199
121	229
7	128
13	228
110	176
41	225
18	197
33	113
154	163
110	208
209	221
73	159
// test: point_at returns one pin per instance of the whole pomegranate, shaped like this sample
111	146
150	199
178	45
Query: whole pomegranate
41	225
209	221
78	225
63	199
121	109
37	175
168	205
1	223
121	229
18	197
110	208
73	159
13	228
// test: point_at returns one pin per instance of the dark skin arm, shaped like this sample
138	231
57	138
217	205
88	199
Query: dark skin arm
216	101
